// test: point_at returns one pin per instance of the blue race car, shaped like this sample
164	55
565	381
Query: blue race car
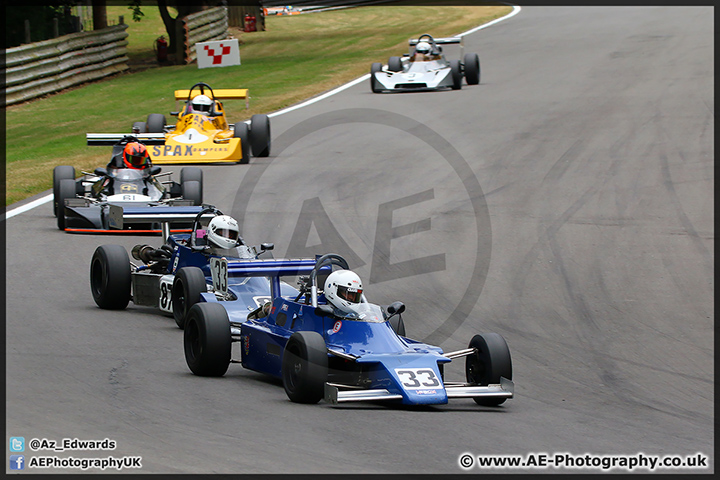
174	276
322	350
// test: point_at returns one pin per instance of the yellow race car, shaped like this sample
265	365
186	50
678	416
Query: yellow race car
202	133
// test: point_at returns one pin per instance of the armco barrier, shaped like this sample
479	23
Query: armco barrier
49	66
205	26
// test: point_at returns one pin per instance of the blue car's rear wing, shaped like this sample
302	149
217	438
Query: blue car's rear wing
273	269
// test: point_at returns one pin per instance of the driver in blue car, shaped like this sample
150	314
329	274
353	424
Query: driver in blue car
224	240
344	291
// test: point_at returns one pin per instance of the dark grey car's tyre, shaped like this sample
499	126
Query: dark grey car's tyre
191	174
374	84
189	283
61	172
241	131
395	64
156	123
110	277
398	325
490	362
207	340
472	68
66	190
305	367
260	135
140	126
456	72
192	190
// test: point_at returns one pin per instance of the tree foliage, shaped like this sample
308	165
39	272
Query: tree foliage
40	18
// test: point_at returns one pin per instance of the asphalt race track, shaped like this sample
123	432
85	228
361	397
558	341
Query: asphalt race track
566	203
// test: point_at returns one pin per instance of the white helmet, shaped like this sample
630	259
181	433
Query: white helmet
223	231
343	289
202	103
422	47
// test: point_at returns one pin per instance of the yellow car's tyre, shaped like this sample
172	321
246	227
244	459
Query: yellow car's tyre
241	131
156	123
260	135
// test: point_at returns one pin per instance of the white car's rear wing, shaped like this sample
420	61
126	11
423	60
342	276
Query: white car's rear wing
441	41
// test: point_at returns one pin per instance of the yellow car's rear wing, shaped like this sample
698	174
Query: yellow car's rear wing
220	94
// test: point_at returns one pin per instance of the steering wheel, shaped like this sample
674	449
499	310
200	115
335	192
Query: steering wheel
202	86
431	39
198	217
327	259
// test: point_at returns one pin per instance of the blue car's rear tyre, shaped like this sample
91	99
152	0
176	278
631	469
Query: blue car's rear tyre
260	135
305	367
207	340
490	362
189	283
110	277
61	172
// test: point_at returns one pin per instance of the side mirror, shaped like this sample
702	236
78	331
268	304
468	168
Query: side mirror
324	311
155	169
267	246
395	307
100	172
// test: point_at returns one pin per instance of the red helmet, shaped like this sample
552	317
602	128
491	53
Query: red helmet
135	156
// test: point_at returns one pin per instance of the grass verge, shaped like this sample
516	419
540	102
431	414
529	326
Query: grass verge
298	57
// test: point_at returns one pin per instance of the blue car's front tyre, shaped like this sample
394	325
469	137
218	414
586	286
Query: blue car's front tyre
305	367
189	283
207	340
490	361
110	277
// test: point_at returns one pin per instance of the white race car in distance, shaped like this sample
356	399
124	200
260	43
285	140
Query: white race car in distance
425	67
